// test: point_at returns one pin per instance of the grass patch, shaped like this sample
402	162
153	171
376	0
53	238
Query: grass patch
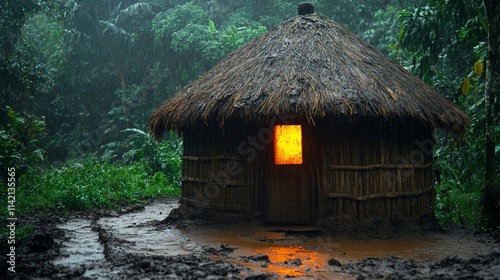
89	185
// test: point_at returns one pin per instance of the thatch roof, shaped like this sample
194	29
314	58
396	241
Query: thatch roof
313	67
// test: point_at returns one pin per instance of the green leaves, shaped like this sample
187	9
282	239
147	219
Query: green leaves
234	37
21	145
184	29
89	185
141	147
193	38
438	38
454	207
435	36
422	35
174	20
137	9
458	195
211	24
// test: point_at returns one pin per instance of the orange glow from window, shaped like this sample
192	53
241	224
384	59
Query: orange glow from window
287	144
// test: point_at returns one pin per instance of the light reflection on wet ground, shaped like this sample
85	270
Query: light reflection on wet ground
315	252
305	253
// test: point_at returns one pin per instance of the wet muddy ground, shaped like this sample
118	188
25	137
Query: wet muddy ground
139	243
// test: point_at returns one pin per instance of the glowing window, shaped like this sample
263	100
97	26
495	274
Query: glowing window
287	144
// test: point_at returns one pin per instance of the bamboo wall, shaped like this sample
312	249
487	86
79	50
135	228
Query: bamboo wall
371	168
377	169
215	175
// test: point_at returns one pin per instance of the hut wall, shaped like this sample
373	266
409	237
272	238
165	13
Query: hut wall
214	174
377	168
369	168
231	169
223	169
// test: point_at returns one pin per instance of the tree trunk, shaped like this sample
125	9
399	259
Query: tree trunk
491	195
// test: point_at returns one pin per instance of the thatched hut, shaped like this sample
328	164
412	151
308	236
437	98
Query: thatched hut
361	130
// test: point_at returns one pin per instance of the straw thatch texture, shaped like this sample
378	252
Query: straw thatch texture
313	67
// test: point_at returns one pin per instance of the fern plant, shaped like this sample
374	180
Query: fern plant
141	147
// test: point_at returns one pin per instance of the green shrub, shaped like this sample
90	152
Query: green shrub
89	185
20	142
456	207
140	146
461	164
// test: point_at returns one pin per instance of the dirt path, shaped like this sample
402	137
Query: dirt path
138	244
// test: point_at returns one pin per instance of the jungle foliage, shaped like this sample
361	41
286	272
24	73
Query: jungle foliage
79	79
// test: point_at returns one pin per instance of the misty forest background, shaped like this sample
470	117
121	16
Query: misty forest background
80	78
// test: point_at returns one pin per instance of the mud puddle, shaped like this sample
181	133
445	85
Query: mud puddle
138	234
137	244
306	253
82	250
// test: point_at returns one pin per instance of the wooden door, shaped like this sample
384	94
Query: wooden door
288	196
289	188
